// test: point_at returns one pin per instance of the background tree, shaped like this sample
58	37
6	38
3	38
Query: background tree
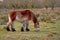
52	4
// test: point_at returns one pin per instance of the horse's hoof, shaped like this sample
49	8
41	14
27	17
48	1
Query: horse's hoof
13	30
22	29
27	29
7	29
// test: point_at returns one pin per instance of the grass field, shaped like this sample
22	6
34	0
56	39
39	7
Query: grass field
48	31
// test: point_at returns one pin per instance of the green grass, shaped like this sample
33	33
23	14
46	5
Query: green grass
48	31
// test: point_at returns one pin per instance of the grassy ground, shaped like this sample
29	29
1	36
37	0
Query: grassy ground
48	31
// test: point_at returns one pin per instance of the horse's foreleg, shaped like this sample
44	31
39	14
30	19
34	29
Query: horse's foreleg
27	27
22	28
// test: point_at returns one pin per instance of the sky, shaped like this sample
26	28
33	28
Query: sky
1	0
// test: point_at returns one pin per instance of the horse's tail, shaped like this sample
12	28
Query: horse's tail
11	17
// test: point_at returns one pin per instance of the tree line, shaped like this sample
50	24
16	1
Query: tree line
29	4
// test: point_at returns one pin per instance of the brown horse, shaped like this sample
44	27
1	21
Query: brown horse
23	16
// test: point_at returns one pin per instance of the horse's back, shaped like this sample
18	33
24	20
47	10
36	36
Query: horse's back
21	14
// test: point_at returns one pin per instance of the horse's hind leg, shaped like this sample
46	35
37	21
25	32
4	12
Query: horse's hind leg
12	28
8	25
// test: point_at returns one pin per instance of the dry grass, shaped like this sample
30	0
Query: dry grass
48	31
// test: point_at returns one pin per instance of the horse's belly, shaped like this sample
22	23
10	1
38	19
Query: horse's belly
22	19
